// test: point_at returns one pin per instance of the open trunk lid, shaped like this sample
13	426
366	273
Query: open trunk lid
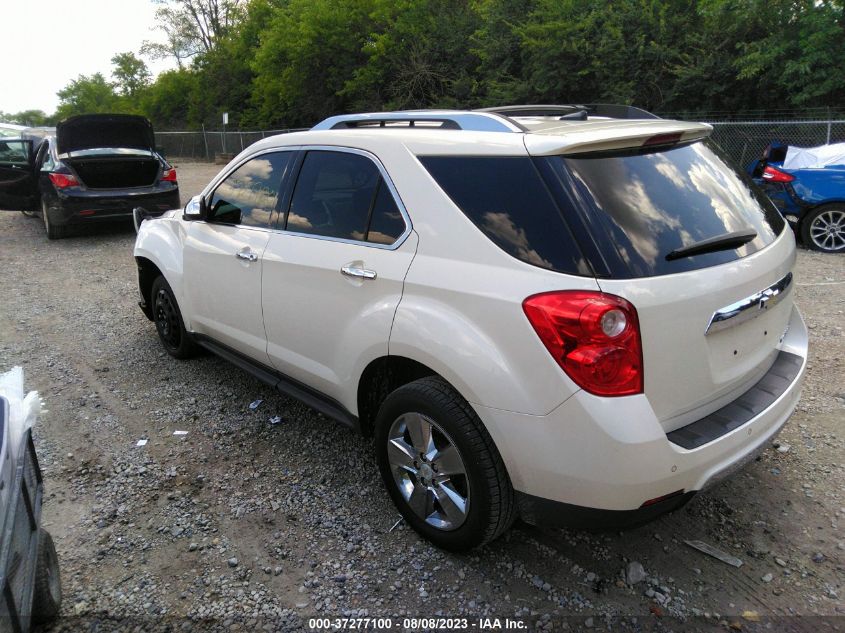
92	131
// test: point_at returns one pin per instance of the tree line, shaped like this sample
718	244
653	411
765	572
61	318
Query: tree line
290	63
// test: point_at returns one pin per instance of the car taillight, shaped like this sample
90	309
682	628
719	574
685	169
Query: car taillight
169	175
770	174
62	181
593	336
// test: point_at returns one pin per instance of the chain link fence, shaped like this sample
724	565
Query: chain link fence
206	144
743	141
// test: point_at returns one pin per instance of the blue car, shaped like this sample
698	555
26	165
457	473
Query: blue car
807	185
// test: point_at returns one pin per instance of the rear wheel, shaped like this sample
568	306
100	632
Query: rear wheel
53	232
168	319
47	597
440	466
823	229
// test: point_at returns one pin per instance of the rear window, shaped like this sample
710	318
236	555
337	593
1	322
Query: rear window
506	198
639	207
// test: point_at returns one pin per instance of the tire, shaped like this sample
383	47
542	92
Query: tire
53	232
823	228
30	214
461	466
47	595
168	319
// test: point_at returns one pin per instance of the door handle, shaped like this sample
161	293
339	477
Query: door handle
247	255
358	272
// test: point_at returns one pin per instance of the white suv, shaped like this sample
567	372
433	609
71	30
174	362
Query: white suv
573	314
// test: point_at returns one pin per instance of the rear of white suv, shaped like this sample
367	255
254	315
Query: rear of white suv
580	321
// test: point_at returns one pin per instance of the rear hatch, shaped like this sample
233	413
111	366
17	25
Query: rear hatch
647	211
109	151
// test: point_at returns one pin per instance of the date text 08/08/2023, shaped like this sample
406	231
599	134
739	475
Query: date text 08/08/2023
415	624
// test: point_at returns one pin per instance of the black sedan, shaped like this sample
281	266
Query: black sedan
90	168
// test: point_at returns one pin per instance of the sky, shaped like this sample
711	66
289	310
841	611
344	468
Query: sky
47	43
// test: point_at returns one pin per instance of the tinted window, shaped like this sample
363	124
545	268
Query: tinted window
506	198
646	205
386	223
248	195
333	195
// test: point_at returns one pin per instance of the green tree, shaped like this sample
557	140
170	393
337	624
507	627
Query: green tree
191	27
308	52
130	73
33	118
87	94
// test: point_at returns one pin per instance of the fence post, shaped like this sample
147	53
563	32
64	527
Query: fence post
829	117
242	140
205	142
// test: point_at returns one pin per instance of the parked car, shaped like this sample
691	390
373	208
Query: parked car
90	168
808	186
579	315
29	568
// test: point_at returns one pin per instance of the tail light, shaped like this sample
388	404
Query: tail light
594	337
63	181
169	175
770	174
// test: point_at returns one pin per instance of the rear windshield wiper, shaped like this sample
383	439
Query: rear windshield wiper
724	242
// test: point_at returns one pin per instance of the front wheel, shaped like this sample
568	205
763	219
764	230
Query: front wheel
441	468
823	228
168	319
47	596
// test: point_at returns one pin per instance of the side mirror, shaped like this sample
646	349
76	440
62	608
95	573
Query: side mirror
195	209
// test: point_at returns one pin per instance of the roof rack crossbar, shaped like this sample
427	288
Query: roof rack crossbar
610	110
449	120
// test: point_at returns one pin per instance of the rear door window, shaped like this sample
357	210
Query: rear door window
343	195
639	207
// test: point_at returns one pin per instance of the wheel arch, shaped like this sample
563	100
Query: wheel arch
158	251
147	274
384	375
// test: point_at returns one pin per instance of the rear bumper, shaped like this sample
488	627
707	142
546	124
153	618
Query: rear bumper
613	455
80	207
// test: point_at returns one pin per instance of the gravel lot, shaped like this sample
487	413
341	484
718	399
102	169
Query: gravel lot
245	525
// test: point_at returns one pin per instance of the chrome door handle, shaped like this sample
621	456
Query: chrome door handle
360	273
247	255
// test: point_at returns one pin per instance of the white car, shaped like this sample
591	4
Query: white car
573	314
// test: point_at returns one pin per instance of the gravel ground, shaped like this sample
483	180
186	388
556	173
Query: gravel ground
241	524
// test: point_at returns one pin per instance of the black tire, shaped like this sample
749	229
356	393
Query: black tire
823	228
53	232
490	506
47	595
168	319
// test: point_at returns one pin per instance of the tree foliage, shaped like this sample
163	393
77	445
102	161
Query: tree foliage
288	63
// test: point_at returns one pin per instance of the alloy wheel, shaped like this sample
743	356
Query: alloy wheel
429	471
828	230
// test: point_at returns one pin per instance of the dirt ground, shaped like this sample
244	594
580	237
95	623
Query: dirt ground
246	524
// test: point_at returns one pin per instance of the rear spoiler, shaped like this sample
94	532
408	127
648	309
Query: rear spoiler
616	135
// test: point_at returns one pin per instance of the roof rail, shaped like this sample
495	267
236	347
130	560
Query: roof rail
573	111
476	121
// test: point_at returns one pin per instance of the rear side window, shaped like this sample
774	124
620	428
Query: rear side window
506	198
343	195
639	207
248	195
